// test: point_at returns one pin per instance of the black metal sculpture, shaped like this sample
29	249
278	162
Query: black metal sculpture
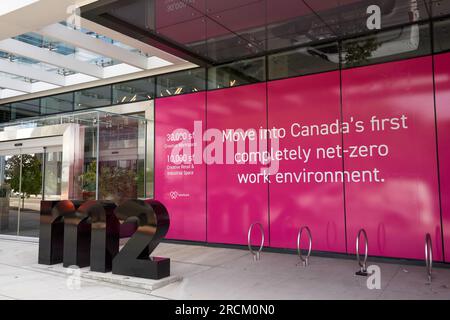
87	233
51	233
153	223
104	235
77	237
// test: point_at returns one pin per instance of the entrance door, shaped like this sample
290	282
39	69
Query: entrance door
28	175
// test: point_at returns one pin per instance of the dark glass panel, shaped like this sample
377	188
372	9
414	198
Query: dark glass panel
5	113
93	97
237	73
302	61
441	35
133	91
402	43
58	103
182	82
25	109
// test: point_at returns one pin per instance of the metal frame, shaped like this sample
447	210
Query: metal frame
304	259
362	264
15	139
256	254
429	256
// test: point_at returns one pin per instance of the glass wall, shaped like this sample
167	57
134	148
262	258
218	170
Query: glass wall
441	35
303	61
25	109
237	73
402	43
98	156
133	91
176	83
93	97
121	159
411	40
58	103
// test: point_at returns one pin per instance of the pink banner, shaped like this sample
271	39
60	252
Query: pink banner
390	152
442	77
235	200
294	202
180	183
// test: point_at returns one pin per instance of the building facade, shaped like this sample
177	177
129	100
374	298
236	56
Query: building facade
339	133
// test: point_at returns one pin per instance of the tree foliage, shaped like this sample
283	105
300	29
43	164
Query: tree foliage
115	183
31	174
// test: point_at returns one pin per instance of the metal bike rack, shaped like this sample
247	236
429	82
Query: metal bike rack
429	255
256	254
362	263
304	259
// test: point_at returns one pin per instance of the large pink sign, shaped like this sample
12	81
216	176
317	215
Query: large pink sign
237	195
294	202
334	152
442	77
391	145
180	182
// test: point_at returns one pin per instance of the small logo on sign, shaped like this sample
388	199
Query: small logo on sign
175	195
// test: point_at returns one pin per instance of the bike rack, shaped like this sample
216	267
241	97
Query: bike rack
256	254
304	259
362	264
428	255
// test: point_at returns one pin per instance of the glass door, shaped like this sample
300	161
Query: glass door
27	177
52	173
29	191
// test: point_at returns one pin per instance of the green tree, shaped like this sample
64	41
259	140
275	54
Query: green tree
115	183
31	174
359	52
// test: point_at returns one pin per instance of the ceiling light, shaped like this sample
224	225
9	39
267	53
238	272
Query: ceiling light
10	6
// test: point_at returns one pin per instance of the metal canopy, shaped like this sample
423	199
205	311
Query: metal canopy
71	52
217	31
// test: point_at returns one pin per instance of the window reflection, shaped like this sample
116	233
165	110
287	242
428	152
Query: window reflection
181	82
57	103
237	73
442	35
302	61
93	97
402	43
133	91
24	109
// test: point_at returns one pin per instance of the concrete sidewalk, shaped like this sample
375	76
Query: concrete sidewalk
217	273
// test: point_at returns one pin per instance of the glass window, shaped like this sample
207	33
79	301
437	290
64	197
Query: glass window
302	61
237	73
132	91
5	113
188	81
24	109
402	43
441	35
59	103
93	97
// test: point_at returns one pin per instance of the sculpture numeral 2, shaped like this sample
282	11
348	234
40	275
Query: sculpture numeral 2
87	233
